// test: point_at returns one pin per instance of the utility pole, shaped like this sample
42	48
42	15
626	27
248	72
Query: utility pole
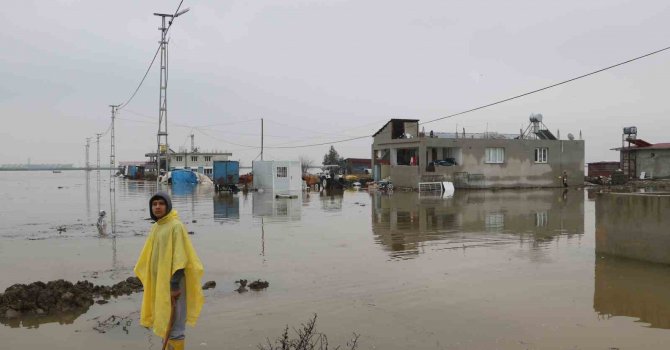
162	135
88	146
192	143
112	179
261	138
97	141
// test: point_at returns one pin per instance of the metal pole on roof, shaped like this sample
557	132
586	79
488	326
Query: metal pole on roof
261	138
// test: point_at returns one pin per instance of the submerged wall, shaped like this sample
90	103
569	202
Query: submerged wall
634	225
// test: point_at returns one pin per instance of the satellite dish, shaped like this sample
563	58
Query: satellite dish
571	137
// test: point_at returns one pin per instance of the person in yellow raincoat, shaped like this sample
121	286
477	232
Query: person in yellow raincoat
170	271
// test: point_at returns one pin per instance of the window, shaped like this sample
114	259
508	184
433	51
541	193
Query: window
541	155
179	158
208	158
282	171
194	158
208	172
495	155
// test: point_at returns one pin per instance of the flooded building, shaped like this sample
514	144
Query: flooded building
203	162
641	159
532	158
357	166
596	169
633	225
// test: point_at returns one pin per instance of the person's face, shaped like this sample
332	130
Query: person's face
158	208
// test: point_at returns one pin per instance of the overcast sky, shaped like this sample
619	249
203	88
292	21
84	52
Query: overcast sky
321	71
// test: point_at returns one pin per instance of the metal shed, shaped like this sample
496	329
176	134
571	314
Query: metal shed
278	176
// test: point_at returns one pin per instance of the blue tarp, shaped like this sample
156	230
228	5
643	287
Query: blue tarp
184	177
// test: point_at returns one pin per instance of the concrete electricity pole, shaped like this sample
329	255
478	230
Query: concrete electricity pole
163	149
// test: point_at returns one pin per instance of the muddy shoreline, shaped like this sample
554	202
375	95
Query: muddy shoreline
59	296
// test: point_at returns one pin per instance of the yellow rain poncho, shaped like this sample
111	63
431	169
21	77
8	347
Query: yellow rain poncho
168	249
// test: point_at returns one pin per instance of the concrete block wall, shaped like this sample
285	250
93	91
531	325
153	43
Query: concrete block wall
634	225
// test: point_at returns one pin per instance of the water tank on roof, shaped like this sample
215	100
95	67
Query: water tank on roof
630	130
536	118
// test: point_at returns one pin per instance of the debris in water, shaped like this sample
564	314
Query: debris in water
194	221
112	322
209	285
258	285
243	286
191	232
61	229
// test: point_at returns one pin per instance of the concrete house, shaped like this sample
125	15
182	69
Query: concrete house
640	158
533	158
202	162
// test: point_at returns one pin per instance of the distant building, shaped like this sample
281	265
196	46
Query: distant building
533	158
606	169
357	166
639	157
202	162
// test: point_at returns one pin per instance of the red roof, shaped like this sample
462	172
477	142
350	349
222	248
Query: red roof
659	146
665	145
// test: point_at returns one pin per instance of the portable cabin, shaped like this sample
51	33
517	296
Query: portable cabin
280	177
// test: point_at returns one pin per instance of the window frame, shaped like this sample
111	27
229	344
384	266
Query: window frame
282	171
499	155
194	158
541	155
208	158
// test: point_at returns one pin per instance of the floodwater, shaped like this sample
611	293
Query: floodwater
506	269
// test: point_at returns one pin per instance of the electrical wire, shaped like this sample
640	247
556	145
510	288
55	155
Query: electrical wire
549	86
123	105
225	141
500	101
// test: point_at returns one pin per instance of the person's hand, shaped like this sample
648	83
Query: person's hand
175	293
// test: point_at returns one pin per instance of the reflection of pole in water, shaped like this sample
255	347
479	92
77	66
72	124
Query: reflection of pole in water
262	237
97	142
88	194
114	261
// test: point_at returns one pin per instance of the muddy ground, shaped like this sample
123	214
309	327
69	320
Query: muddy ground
59	296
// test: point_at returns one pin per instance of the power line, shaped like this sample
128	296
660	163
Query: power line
123	105
550	86
319	144
500	101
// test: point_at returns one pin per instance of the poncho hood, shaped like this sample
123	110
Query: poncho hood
166	198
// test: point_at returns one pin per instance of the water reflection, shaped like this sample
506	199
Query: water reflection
34	321
183	189
266	205
331	200
405	223
226	207
631	288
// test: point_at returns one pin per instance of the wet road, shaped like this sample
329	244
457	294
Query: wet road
482	270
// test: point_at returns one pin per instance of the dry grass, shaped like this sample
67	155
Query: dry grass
306	338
